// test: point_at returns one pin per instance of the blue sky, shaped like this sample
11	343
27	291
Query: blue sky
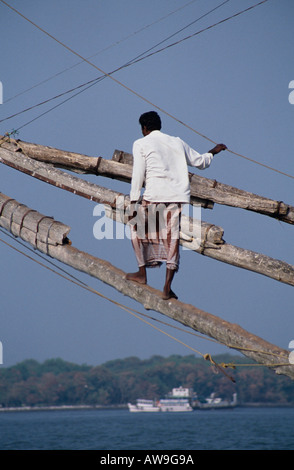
230	83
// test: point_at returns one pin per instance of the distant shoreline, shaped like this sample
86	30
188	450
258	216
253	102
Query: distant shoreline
63	407
124	407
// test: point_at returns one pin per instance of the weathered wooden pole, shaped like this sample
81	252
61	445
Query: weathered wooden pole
231	335
211	243
112	199
212	191
35	228
204	191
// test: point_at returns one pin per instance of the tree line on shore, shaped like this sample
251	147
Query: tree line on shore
56	382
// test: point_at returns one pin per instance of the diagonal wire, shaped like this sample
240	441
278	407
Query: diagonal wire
65	275
146	99
135	60
102	50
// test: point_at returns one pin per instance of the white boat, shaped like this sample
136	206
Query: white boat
214	402
148	406
176	401
175	404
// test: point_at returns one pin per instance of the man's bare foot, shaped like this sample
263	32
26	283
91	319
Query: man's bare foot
136	277
169	295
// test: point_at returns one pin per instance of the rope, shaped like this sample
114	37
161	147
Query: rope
109	75
219	367
94	291
139	57
132	311
6	137
98	79
102	50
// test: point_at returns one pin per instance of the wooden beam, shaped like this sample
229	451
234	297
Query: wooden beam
59	158
204	191
231	335
91	191
30	225
219	193
82	164
63	180
211	243
246	259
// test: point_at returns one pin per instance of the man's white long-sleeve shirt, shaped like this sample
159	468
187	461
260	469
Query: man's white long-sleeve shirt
161	161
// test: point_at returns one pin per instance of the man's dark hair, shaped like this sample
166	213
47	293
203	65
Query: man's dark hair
151	120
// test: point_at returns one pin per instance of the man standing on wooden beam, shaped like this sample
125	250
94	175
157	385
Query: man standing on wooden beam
161	164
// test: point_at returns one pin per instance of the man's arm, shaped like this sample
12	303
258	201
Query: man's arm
138	174
204	160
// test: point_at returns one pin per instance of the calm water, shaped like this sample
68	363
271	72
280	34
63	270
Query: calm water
238	429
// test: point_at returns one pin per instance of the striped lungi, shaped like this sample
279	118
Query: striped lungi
155	233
